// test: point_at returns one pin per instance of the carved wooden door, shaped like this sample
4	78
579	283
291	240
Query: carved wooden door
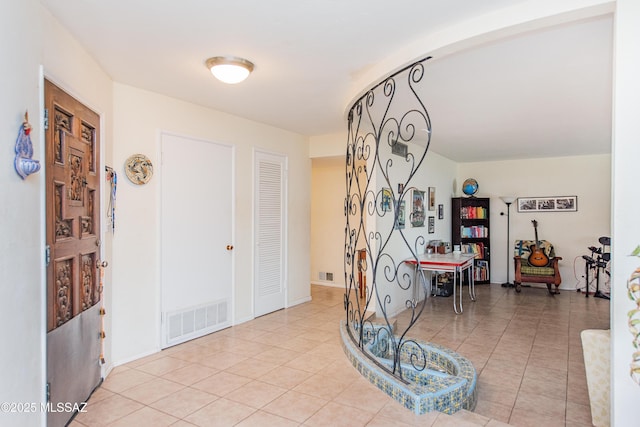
73	233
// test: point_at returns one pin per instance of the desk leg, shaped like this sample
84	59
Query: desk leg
472	284
415	283
455	284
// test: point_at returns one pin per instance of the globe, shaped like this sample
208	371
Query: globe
470	186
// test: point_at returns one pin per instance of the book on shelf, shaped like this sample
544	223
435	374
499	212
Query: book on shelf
481	270
474	231
473	248
473	212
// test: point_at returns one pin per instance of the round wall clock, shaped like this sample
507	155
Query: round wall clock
138	168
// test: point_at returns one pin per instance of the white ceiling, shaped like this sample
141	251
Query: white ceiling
540	93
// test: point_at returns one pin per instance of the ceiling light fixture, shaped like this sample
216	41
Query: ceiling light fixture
229	69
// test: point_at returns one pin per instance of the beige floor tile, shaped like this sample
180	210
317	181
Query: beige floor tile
221	383
256	394
252	368
578	414
184	402
295	406
309	363
121	381
285	377
363	395
190	374
265	419
336	415
500	411
526	348
145	417
526	418
220	413
146	359
162	366
99	394
540	405
107	411
395	411
380	421
322	386
151	391
220	360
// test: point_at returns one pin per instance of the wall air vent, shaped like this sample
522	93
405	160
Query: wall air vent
399	149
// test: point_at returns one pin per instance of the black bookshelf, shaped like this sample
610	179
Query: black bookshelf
470	229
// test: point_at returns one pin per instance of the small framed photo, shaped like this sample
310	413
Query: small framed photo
548	204
400	220
432	225
432	198
417	209
385	203
440	211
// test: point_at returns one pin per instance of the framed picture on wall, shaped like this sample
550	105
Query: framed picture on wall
432	198
400	220
417	208
548	204
432	225
385	203
440	211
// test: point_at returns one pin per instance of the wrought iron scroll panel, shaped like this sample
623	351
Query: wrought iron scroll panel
379	185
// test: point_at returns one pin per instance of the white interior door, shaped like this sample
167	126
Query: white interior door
196	237
270	232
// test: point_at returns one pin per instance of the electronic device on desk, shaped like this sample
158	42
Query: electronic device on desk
597	261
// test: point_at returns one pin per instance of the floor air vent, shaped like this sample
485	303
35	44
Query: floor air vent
326	276
193	322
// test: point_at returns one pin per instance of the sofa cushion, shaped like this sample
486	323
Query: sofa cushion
528	270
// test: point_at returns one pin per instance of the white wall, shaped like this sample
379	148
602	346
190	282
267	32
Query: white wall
327	219
31	39
21	363
588	177
139	116
625	397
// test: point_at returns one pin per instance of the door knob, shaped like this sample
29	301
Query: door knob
229	247
101	264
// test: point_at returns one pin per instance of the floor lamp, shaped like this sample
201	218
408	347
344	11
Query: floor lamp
508	200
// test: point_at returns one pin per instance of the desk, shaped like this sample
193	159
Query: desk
445	263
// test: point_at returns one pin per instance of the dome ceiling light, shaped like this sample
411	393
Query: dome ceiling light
229	69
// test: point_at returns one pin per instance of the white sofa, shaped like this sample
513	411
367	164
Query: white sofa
596	347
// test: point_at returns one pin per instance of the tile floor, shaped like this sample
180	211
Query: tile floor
288	368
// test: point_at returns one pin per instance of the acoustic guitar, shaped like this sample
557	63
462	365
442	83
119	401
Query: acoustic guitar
537	258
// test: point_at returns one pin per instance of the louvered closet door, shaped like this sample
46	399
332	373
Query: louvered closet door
270	232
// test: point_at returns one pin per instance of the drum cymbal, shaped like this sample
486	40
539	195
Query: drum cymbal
605	240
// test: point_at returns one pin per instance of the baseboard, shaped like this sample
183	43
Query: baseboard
329	284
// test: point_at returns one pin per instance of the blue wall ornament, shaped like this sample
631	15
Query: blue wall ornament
24	163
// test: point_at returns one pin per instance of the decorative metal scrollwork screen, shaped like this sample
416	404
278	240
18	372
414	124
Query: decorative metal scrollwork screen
389	132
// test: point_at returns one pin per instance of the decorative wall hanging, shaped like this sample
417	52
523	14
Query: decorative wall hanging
417	212
138	168
112	177
548	204
432	225
24	164
386	200
432	198
400	220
